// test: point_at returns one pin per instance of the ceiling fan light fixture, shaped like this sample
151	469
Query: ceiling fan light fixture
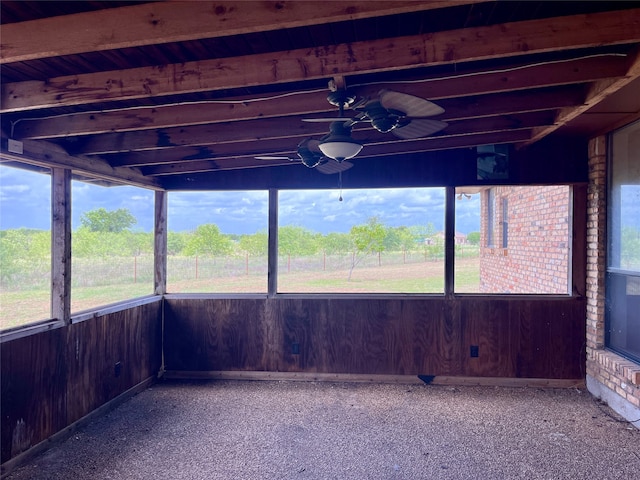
338	144
340	149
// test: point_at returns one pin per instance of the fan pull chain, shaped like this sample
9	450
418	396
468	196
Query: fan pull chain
340	185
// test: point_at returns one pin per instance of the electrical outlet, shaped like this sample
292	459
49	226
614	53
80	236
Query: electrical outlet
295	348
117	369
474	351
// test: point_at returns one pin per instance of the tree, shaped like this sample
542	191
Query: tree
334	242
102	220
473	238
293	240
207	240
366	239
256	244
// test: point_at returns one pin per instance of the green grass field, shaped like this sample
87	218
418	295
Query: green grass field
25	306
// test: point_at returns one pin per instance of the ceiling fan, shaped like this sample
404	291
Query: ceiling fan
309	155
406	116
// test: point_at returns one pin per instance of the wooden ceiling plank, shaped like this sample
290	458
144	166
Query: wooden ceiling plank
372	138
597	92
166	22
50	155
208	165
278	146
370	151
292	129
305	103
439	48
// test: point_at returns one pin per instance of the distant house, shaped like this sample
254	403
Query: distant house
524	240
460	238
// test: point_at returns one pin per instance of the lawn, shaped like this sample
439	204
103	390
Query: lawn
25	306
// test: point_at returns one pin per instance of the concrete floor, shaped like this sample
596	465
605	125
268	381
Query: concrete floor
297	430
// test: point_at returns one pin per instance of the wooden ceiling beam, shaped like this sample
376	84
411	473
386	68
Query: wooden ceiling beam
370	151
438	48
50	155
375	143
293	128
166	22
596	93
305	103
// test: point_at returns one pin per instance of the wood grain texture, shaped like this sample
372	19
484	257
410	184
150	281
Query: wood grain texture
517	337
51	379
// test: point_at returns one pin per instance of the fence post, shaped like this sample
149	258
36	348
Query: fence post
289	263
379	259
246	268
135	269
324	261
196	267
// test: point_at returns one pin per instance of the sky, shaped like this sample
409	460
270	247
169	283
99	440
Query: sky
25	203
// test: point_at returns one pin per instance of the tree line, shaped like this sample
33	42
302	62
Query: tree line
104	233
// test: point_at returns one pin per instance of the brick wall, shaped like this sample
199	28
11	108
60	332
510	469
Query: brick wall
536	258
614	372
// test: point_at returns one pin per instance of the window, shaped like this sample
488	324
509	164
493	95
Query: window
373	241
491	217
25	246
623	259
535	225
505	222
217	242
111	244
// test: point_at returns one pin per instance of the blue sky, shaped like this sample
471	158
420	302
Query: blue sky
25	202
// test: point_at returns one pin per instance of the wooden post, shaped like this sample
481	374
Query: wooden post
160	244
272	274
61	244
449	241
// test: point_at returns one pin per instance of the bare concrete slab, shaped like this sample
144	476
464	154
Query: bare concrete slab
298	430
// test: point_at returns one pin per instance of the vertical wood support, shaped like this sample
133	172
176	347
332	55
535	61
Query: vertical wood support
578	255
61	244
449	240
160	244
272	275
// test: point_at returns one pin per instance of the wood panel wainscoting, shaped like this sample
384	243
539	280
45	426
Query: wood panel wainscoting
53	378
516	337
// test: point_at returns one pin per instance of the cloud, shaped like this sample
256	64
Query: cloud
237	212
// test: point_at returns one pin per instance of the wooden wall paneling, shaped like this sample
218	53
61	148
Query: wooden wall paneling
309	328
369	329
240	341
486	323
33	395
214	334
272	332
433	343
186	335
551	338
567	339
131	338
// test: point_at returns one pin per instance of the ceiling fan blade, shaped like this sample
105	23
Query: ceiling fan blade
331	167
418	128
267	157
314	146
411	105
321	120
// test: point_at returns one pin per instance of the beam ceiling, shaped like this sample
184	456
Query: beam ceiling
145	96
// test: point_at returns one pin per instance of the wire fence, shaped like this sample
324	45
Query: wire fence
104	271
